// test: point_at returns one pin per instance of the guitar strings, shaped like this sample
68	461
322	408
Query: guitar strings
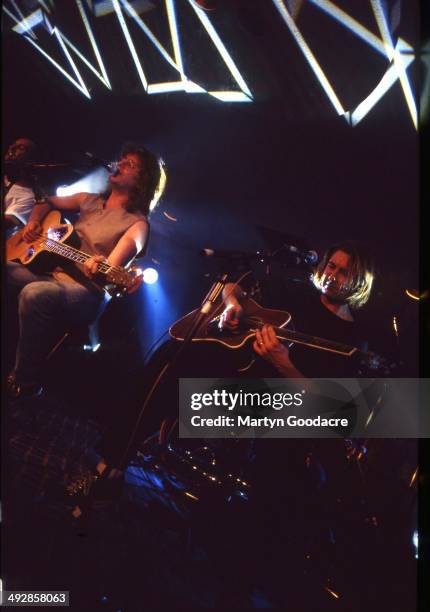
106	266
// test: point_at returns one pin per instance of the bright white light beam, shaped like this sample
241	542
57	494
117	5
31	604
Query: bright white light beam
222	51
130	43
150	276
399	62
26	21
310	57
387	81
86	23
94	182
27	24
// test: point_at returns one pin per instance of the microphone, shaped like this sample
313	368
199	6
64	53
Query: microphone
230	254
309	257
212	296
111	167
14	163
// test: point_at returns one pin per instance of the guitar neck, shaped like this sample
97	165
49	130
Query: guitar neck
316	342
72	254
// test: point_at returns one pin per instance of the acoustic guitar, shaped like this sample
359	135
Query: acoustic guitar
53	240
254	317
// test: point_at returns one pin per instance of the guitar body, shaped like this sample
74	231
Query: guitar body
241	357
35	253
55	247
254	316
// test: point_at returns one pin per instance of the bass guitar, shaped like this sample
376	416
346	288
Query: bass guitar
52	240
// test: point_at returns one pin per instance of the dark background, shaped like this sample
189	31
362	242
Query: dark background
285	161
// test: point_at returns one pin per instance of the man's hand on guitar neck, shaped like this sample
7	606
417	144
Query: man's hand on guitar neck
90	267
268	347
32	231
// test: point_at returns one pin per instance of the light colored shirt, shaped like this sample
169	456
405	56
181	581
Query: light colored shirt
19	202
99	230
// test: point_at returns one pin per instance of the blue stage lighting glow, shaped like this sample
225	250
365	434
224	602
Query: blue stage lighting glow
150	276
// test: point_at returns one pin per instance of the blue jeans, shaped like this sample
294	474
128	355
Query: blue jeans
47	308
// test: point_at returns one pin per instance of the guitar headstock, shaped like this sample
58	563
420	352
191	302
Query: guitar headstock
126	281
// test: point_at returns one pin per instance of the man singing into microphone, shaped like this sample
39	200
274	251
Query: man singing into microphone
112	228
18	187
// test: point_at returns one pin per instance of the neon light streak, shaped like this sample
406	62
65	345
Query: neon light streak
188	86
105	78
130	44
25	25
332	593
44	6
387	81
83	89
25	21
399	62
130	10
59	37
221	49
351	24
230	96
310	57
412	295
171	16
384	47
38	17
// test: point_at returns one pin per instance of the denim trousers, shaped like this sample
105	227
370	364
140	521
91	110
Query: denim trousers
47	309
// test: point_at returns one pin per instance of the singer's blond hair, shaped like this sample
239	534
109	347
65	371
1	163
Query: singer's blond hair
360	277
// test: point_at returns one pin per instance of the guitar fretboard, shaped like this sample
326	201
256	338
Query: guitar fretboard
315	341
64	250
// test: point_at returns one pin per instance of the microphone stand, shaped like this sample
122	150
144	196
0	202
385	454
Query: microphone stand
201	317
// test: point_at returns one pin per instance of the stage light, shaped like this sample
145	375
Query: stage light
150	276
91	347
95	182
415	542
